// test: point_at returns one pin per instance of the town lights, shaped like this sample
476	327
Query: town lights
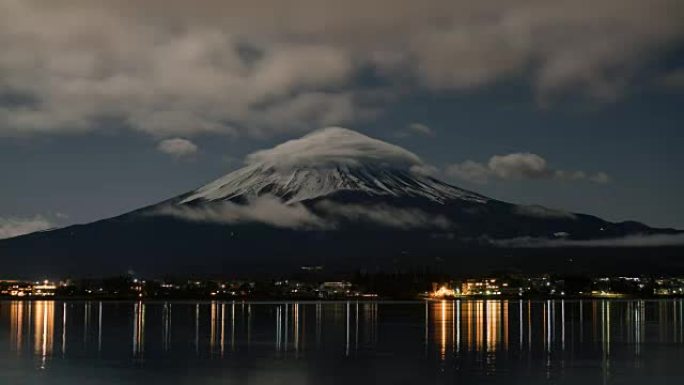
443	292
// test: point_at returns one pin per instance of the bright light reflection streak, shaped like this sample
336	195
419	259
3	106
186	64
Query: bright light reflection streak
232	327
86	322
277	330
637	328
17	325
603	327
347	331
99	327
214	322
458	326
138	329
44	330
287	329
223	327
295	326
493	325
608	327
167	326
443	340
674	322
249	324
548	314
453	326
605	331
28	321
505	324
479	325
468	314
64	333
554	336
563	325
197	312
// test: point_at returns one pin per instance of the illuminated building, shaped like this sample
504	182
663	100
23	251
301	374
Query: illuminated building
443	291
335	287
488	286
15	288
43	289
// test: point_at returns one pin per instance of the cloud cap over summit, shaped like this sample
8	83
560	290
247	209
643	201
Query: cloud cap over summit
334	146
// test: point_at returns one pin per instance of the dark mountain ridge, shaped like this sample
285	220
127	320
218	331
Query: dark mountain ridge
347	202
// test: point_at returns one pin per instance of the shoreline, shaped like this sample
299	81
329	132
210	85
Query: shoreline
336	300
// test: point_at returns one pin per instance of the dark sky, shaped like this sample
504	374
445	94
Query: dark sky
108	106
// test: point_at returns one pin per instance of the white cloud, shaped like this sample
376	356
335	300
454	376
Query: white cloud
79	65
600	177
264	209
640	240
421	128
518	166
415	129
176	68
13	227
272	211
469	171
385	215
337	146
177	147
542	212
425	170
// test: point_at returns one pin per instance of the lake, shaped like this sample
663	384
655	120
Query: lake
434	342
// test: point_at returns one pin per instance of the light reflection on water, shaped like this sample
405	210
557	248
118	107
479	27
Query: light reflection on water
486	336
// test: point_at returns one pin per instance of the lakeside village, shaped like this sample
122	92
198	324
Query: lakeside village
359	286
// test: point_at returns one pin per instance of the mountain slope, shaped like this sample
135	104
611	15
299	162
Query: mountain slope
335	198
328	161
306	183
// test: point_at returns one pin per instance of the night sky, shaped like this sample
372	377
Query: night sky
109	106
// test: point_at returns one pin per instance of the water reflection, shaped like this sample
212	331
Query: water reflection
166	326
497	326
64	327
43	330
99	327
17	325
448	330
138	329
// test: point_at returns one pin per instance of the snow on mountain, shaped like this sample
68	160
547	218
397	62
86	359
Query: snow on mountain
340	199
328	161
302	184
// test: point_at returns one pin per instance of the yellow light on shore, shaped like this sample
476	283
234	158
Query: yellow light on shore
443	292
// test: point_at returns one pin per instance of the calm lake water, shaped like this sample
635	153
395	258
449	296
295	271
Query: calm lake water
441	342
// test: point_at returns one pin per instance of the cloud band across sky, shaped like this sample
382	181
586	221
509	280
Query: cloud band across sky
518	166
326	215
639	240
178	68
14	227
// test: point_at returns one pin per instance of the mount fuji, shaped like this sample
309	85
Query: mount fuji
342	200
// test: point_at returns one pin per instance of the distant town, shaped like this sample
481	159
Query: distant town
310	286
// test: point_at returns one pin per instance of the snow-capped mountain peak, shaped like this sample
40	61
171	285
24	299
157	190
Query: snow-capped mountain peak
300	184
326	162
